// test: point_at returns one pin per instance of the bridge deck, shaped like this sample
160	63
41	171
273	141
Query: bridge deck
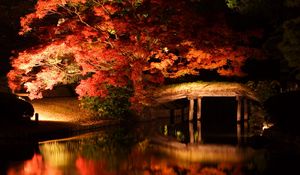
197	90
202	89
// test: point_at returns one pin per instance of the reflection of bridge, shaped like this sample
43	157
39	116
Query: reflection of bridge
195	151
196	136
197	90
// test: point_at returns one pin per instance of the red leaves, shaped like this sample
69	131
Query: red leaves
133	43
92	87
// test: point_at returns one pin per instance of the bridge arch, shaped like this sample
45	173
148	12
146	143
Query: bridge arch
195	91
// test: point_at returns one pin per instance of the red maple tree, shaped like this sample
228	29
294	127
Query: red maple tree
134	43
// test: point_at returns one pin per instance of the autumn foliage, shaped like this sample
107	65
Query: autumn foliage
133	43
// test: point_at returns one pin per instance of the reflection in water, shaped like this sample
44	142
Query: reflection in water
199	135
137	163
137	150
191	129
195	134
35	166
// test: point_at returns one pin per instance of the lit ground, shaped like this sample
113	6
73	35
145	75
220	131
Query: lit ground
58	117
60	109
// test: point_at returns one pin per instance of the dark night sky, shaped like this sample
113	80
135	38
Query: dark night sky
10	13
8	35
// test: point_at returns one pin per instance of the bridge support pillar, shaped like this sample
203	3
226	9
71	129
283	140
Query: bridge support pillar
239	108
191	109
199	102
242	109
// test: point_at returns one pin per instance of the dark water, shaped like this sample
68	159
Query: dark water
149	148
216	145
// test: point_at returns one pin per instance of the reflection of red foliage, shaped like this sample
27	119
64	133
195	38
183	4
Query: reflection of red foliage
91	167
35	166
238	170
211	171
137	161
151	164
135	43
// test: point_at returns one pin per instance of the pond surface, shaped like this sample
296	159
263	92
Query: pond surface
147	148
214	146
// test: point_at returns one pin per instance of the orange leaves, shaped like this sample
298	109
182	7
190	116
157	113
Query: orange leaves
201	60
25	23
43	7
105	11
89	33
226	61
15	77
50	77
43	68
44	80
122	44
77	1
93	86
100	11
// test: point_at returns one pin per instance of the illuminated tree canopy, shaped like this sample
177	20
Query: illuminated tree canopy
124	43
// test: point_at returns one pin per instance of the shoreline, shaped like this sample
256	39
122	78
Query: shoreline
46	130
